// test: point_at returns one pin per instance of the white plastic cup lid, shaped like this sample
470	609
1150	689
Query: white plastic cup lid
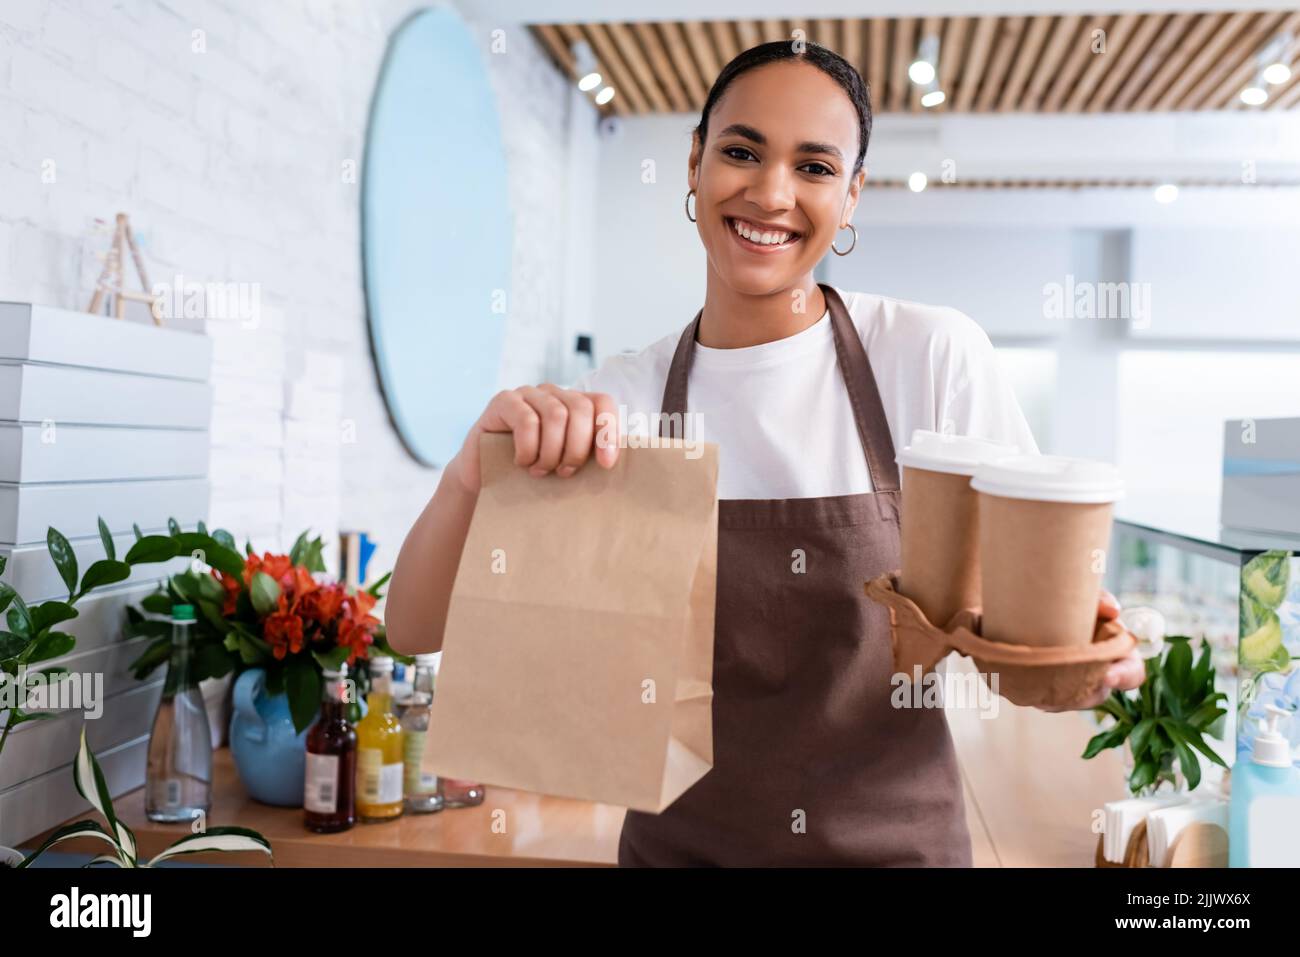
1050	478
956	454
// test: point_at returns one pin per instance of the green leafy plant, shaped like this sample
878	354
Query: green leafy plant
33	635
1164	720
91	785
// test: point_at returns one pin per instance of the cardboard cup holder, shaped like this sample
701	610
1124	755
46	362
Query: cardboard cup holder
1063	678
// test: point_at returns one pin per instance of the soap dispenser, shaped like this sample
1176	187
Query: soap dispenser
1264	808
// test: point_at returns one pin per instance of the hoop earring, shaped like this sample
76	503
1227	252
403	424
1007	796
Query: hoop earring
851	248
689	194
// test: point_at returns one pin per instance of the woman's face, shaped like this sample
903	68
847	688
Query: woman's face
778	165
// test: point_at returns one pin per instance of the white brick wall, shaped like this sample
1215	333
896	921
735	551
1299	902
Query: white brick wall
229	162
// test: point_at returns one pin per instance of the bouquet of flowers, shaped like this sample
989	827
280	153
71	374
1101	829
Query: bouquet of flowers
268	611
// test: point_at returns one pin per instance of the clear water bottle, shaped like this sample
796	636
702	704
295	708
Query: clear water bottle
178	777
420	788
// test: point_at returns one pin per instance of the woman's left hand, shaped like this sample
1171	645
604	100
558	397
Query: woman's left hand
1123	675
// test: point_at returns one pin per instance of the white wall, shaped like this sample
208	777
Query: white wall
231	165
937	265
649	260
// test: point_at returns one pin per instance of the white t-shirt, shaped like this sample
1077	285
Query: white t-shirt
780	413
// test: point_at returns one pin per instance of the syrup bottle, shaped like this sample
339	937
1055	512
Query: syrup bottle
329	792
379	749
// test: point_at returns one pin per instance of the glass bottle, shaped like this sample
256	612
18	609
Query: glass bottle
329	787
178	772
420	789
459	793
379	749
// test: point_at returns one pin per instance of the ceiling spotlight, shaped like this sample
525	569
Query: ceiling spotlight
604	96
1277	73
1255	94
932	98
589	82
923	68
1166	193
1273	59
921	72
916	182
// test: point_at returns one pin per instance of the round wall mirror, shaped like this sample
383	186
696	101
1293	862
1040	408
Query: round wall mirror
436	233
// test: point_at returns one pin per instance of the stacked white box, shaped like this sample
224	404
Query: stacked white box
313	427
247	440
98	417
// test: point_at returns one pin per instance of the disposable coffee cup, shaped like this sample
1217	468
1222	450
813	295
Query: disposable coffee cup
940	520
1045	524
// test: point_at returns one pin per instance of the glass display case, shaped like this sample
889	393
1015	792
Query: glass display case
1237	591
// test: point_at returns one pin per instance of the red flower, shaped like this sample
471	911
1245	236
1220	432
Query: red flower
232	587
283	631
302	581
362	602
357	628
278	567
357	636
321	604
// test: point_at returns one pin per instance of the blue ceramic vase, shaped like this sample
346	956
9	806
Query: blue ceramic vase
270	755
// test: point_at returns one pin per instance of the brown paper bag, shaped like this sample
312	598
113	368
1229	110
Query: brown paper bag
578	654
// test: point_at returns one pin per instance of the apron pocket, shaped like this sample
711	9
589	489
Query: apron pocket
749	646
827	632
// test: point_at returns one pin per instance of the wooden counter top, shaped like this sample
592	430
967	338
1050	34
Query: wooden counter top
510	828
1030	802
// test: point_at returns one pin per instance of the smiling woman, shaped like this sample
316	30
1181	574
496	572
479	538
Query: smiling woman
807	390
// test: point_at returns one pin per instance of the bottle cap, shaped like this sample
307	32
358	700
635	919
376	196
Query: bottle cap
182	612
428	660
1271	746
381	665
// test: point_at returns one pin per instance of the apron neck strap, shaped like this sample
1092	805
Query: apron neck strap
864	396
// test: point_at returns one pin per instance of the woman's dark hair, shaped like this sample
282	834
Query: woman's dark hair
829	62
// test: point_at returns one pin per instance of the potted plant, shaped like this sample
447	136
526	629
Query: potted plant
1163	721
89	779
280	624
33	634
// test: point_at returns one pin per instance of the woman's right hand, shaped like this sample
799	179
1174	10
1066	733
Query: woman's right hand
555	430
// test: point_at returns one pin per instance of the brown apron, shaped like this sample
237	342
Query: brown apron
812	764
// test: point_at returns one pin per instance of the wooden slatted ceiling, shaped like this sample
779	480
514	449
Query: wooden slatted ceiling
1078	63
